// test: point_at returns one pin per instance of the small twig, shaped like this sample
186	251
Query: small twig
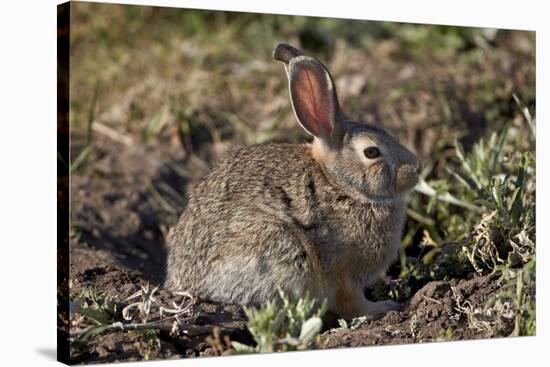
164	325
112	133
424	188
420	218
432	299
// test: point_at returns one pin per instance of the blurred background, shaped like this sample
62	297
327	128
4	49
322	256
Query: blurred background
147	69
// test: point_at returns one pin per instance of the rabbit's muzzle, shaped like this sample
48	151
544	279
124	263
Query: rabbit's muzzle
406	177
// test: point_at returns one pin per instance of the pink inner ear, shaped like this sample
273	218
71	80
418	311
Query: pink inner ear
312	102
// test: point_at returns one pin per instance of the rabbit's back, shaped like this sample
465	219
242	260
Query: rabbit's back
239	230
258	183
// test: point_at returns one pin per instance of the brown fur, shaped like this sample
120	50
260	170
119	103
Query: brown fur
321	153
317	218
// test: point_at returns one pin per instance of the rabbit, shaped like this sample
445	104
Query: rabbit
321	218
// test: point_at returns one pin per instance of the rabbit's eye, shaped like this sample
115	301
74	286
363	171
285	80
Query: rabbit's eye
372	152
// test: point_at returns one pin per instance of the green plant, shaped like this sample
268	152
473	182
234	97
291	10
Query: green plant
97	307
485	203
91	307
502	178
505	233
151	342
486	211
355	323
286	325
82	157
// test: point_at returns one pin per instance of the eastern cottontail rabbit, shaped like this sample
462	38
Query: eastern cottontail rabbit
323	218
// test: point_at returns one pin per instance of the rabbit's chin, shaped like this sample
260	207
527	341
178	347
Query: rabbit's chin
397	198
383	200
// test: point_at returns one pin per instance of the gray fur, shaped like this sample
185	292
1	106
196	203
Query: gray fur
316	218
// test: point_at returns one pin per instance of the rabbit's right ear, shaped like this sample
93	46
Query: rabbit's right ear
314	99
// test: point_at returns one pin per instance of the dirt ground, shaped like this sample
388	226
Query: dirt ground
142	79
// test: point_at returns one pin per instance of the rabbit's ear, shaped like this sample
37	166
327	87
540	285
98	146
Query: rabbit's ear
313	98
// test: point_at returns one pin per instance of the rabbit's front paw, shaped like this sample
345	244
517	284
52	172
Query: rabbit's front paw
380	308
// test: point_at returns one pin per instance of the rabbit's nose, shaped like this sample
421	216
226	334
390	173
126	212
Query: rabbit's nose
407	176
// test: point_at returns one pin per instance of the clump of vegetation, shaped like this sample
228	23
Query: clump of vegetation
355	323
92	312
95	306
480	218
151	343
283	326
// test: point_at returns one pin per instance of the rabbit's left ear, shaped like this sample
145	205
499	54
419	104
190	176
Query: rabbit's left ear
314	99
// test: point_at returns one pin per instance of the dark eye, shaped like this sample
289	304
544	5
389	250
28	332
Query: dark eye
372	152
